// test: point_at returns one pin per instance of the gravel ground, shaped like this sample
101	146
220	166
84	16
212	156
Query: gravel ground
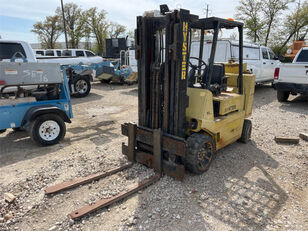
256	186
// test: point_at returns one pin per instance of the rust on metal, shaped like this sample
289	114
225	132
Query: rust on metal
176	171
170	143
84	180
157	152
106	202
131	141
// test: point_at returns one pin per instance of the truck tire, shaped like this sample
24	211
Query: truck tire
47	129
283	96
246	132
199	153
82	86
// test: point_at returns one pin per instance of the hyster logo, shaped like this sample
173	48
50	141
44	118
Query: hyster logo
184	50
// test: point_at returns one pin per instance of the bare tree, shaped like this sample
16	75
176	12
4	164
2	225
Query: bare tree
75	23
116	30
295	25
249	12
271	10
48	31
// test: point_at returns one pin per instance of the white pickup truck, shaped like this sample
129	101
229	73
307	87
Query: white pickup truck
79	82
292	78
69	56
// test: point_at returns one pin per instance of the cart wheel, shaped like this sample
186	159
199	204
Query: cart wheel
82	86
200	153
283	96
47	129
246	132
2	131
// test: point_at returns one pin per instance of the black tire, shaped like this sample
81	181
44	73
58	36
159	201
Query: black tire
2	131
246	132
82	86
283	96
42	138
199	153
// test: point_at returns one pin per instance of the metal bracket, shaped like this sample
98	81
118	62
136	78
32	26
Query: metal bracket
132	142
157	150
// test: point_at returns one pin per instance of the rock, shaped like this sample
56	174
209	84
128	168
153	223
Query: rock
9	197
303	136
178	216
71	222
52	228
8	216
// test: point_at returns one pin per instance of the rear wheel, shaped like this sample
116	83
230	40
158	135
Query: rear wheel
200	153
283	96
47	129
82	86
246	132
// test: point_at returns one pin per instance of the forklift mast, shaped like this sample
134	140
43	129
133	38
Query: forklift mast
163	55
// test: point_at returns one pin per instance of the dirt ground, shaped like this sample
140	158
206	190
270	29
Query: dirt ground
256	186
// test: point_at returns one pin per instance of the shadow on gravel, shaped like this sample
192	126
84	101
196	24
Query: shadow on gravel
97	133
17	146
133	92
264	94
112	86
245	196
89	98
297	105
237	193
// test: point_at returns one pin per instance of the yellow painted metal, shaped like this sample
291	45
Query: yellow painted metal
222	116
228	102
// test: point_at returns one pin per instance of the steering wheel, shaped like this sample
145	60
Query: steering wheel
197	67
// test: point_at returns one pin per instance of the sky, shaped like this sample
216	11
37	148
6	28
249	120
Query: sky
18	16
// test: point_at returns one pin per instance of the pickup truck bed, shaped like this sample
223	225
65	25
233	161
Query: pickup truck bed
292	78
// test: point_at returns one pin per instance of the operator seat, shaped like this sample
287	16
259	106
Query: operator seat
219	80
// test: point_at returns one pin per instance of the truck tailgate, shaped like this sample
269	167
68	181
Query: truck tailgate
294	73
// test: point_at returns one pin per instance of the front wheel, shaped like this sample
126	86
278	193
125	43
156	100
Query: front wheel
199	153
82	86
283	96
246	132
47	129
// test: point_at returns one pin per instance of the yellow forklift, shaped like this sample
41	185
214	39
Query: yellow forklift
188	107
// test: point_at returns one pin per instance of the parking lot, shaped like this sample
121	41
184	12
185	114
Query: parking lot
261	185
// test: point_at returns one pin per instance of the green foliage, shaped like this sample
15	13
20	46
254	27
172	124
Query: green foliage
264	24
80	24
98	25
48	31
249	12
75	23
